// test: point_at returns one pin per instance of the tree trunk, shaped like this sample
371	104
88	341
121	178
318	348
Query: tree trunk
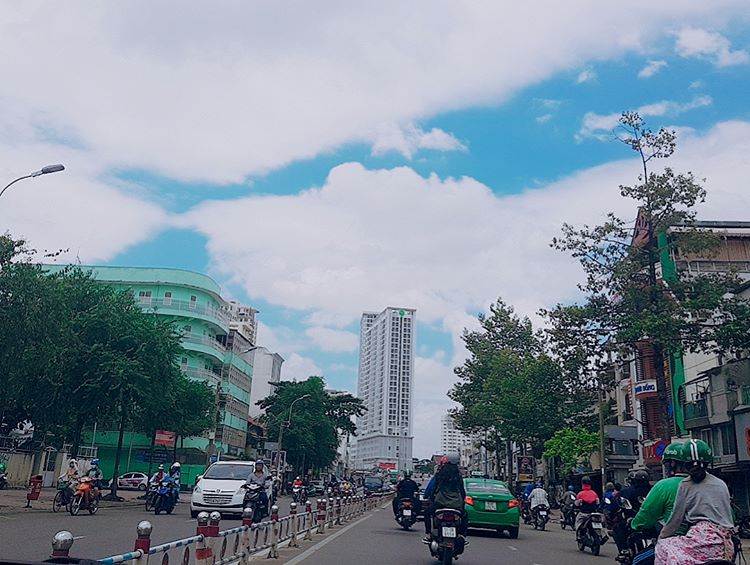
76	437
118	453
151	455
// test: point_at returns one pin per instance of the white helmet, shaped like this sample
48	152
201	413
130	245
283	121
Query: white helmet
176	464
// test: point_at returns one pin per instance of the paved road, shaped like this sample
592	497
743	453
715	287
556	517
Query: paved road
376	540
28	535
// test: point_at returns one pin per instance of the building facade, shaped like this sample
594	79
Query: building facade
385	385
451	438
266	371
213	352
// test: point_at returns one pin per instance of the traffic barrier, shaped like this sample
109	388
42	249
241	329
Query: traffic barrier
235	546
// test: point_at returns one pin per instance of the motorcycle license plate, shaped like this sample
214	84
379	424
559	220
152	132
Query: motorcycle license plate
597	525
407	512
449	532
542	512
490	505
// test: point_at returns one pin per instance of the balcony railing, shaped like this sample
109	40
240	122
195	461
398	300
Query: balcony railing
204	340
202	374
185	306
696	409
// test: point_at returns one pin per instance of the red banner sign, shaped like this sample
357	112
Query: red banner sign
165	438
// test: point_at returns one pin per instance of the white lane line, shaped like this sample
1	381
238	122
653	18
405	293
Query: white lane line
78	537
512	548
318	546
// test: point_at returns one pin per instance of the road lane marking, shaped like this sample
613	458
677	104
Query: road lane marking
78	537
512	548
318	546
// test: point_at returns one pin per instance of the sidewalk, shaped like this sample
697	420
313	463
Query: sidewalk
13	501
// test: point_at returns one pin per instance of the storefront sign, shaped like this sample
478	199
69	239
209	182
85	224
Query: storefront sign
652	453
742	433
643	388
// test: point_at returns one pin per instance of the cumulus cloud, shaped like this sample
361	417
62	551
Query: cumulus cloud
333	340
222	92
298	368
651	69
601	125
543	119
710	46
586	75
409	139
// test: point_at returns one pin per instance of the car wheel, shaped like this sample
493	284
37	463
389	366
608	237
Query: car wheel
142	487
513	533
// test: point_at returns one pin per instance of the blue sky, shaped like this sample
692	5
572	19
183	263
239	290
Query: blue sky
317	171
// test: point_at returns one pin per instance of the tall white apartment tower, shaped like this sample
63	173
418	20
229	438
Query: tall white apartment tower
386	384
451	438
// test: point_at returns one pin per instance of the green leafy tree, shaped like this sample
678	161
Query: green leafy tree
572	446
626	301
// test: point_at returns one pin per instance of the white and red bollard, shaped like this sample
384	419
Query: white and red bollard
143	541
61	544
321	516
338	510
203	552
308	520
274	551
294	525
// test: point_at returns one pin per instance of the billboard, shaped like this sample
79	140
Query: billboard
742	433
165	438
526	466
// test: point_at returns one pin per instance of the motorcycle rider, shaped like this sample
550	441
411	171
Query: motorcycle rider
70	475
428	495
703	502
637	489
567	502
406	488
587	502
657	507
449	492
538	497
261	478
175	471
157	477
96	474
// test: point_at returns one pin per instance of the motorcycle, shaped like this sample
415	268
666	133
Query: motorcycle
85	497
3	476
446	543
254	500
63	496
406	514
540	514
568	517
299	494
590	534
526	512
153	489
165	496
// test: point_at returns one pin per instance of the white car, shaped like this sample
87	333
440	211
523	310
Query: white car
220	488
137	481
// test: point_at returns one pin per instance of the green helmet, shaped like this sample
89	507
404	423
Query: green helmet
675	451
407	474
697	450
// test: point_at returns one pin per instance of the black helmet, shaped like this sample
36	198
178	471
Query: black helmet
640	476
585	481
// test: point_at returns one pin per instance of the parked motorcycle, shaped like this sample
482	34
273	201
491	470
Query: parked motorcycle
591	533
254	500
447	543
85	497
165	496
540	516
406	514
63	496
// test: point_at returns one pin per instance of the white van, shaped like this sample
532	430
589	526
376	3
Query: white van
220	488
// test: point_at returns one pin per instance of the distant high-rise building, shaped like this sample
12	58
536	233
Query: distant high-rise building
266	372
451	438
386	382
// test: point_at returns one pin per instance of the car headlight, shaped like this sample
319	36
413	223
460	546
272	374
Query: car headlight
197	489
240	491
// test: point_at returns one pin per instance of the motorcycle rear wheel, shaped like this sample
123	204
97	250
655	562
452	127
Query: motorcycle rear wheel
149	503
93	506
542	524
447	557
595	546
75	505
581	546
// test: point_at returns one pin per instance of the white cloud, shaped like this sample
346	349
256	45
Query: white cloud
601	125
543	119
651	69
220	92
586	75
299	368
328	339
548	103
432	379
696	84
409	139
710	46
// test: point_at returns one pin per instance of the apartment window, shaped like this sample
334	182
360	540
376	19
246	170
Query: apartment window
728	445
184	362
167	298
188	329
144	297
193	301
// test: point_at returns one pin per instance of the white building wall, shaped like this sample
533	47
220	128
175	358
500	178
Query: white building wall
451	438
266	370
385	385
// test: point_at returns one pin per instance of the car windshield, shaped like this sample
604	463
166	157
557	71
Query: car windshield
493	488
373	482
230	472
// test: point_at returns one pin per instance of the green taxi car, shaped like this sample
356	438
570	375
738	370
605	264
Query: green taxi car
489	504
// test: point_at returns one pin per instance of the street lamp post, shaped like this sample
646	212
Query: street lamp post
281	434
43	171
